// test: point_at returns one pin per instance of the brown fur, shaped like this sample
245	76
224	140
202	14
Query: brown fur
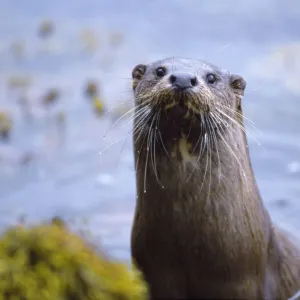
201	230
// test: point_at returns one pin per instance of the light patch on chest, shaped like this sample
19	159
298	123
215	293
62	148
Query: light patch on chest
185	148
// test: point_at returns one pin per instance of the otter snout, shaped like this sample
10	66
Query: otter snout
183	81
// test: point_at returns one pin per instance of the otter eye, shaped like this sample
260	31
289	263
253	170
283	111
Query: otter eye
211	78
161	72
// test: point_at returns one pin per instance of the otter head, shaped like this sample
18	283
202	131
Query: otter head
184	97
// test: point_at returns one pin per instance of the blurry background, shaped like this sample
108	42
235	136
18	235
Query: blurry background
65	69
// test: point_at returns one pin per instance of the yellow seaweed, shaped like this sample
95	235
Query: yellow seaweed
50	262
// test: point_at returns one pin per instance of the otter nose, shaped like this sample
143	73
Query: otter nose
183	80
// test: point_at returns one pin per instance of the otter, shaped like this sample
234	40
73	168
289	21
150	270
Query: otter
200	229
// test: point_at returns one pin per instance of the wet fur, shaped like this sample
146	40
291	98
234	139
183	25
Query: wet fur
200	228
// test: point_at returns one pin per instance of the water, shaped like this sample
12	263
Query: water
67	176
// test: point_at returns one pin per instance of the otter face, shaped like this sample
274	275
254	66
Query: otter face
189	84
182	96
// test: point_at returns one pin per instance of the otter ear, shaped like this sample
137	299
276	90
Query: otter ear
138	71
238	84
137	74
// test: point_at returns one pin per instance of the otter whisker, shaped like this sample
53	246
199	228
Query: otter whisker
211	121
147	155
209	139
140	130
111	144
231	118
151	142
155	131
126	141
203	139
121	117
146	108
149	148
206	163
140	150
235	111
238	113
141	114
115	142
190	130
141	121
239	125
164	147
231	150
196	145
237	160
200	138
122	101
123	146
